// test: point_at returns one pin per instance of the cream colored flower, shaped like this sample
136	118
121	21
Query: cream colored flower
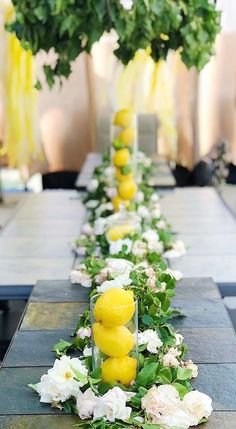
112	406
198	406
151	339
79	276
92	185
139	248
86	403
170	358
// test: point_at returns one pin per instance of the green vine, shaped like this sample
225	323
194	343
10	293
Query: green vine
73	26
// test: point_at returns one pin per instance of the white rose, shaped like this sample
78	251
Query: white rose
80	277
83	333
198	406
190	365
139	248
119	265
151	339
116	246
99	226
58	384
92	204
143	212
86	403
87	351
92	185
170	358
112	406
87	229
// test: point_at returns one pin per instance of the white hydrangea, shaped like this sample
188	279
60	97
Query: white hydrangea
92	185
58	384
151	339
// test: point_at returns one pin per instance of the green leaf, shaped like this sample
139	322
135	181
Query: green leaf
147	320
79	376
33	386
147	375
184	373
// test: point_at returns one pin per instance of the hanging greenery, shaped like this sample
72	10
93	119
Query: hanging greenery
73	26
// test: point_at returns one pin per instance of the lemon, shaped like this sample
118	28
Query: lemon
115	307
117	202
127	189
119	370
118	232
123	118
122	177
127	136
121	157
116	341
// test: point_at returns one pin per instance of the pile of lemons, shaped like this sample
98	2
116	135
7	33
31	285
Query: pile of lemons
122	145
112	311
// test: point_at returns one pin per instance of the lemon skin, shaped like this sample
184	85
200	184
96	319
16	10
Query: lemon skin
119	370
127	189
123	118
121	157
115	307
116	341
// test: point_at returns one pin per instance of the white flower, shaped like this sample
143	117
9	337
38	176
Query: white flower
139	248
87	229
99	226
161	224
190	365
198	406
119	265
111	192
150	235
102	275
139	197
154	198
58	384
116	246
150	273
147	162
92	204
104	207
178	339
112	406
87	351
127	4
162	288
170	358
178	249
83	333
151	339
109	171
92	185
174	273
86	403
143	212
155	213
108	284
80	277
163	406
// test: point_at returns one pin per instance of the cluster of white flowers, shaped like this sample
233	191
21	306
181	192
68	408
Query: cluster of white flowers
163	406
80	276
151	339
110	406
153	241
59	384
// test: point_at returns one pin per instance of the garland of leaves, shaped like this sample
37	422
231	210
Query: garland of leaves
70	27
161	348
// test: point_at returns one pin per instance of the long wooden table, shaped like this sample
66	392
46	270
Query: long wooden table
52	313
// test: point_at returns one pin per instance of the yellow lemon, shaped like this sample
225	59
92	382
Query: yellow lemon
119	370
122	177
127	189
117	202
115	307
127	136
118	232
123	118
116	341
121	157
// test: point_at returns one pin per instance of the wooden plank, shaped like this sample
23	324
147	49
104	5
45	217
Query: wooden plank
59	291
39	422
25	247
195	288
50	316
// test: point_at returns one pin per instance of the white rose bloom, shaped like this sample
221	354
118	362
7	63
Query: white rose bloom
198	406
139	248
143	212
92	185
58	384
80	277
92	204
178	339
178	249
104	207
111	192
190	365
154	198
87	229
83	333
151	339
87	351
116	246
99	226
139	197
119	265
112	406
170	358
161	224
86	403
163	406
